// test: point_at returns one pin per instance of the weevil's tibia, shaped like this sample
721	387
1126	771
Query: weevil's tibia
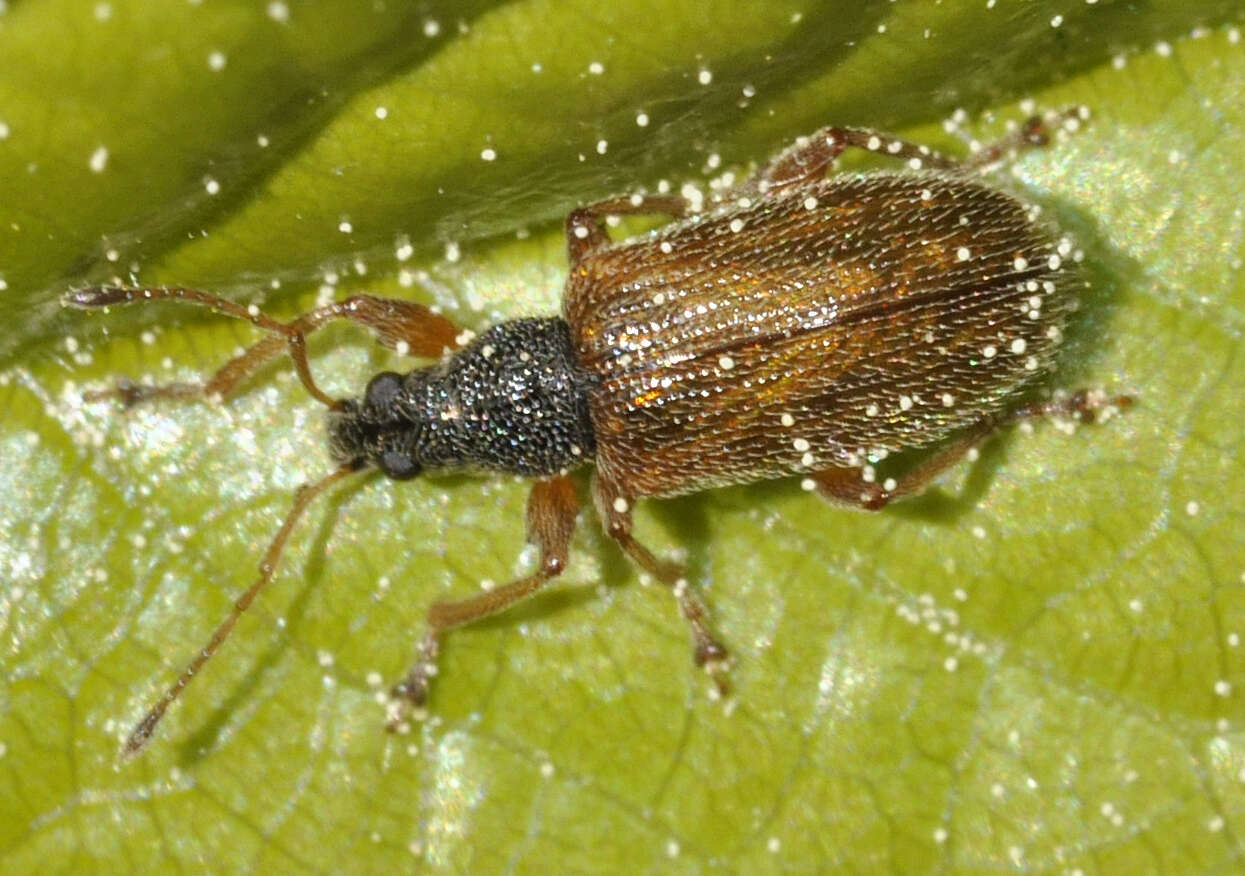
302	498
708	651
404	326
809	158
552	508
846	486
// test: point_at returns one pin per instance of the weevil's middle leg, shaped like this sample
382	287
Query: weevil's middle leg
585	226
398	324
552	508
615	511
846	486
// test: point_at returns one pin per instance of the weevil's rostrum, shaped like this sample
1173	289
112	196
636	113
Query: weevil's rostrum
813	328
804	325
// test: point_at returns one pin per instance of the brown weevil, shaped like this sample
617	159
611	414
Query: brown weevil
804	325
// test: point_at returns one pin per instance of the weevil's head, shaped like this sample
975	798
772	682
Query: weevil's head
378	430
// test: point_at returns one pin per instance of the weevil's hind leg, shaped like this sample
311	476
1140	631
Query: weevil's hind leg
552	508
402	325
1033	133
615	511
585	226
847	487
807	160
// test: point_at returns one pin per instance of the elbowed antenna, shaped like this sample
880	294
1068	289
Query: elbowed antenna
302	498
96	296
107	296
295	335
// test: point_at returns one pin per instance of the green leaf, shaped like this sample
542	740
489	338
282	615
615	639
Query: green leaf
1036	667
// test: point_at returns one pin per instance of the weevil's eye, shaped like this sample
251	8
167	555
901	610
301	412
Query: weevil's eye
383	390
397	465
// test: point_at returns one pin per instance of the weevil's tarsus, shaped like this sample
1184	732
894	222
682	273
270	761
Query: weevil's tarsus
302	498
552	508
400	325
130	393
1034	133
1082	405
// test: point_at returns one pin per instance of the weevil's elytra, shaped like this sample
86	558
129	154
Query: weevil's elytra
728	359
805	326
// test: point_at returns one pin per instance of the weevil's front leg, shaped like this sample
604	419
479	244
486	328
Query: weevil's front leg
552	508
849	486
401	325
585	226
405	326
614	507
807	160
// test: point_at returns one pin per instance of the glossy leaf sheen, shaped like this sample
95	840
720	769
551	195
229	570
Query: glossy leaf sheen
1038	667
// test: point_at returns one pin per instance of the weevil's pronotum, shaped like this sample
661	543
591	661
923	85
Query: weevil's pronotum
804	326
